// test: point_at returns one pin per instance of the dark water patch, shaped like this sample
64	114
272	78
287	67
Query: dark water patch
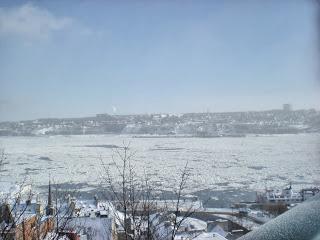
68	186
45	159
282	178
32	169
224	198
245	183
222	184
166	149
227	166
197	160
257	167
111	164
101	146
300	182
22	163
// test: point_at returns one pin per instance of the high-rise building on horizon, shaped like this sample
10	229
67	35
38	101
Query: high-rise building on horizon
286	107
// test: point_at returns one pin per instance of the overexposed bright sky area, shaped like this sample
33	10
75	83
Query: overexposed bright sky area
79	58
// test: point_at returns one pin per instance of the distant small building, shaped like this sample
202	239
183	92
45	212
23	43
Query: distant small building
287	107
104	116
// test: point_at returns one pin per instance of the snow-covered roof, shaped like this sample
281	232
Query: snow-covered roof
219	230
188	227
96	228
192	224
209	236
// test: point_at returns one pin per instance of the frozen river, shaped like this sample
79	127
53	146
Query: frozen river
251	162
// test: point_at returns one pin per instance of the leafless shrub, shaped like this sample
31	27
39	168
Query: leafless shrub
136	201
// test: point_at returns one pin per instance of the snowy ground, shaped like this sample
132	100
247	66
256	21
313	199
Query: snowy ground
251	162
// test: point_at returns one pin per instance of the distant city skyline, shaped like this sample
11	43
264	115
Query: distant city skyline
282	107
81	58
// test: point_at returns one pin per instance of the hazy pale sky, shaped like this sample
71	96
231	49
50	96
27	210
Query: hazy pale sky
79	58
